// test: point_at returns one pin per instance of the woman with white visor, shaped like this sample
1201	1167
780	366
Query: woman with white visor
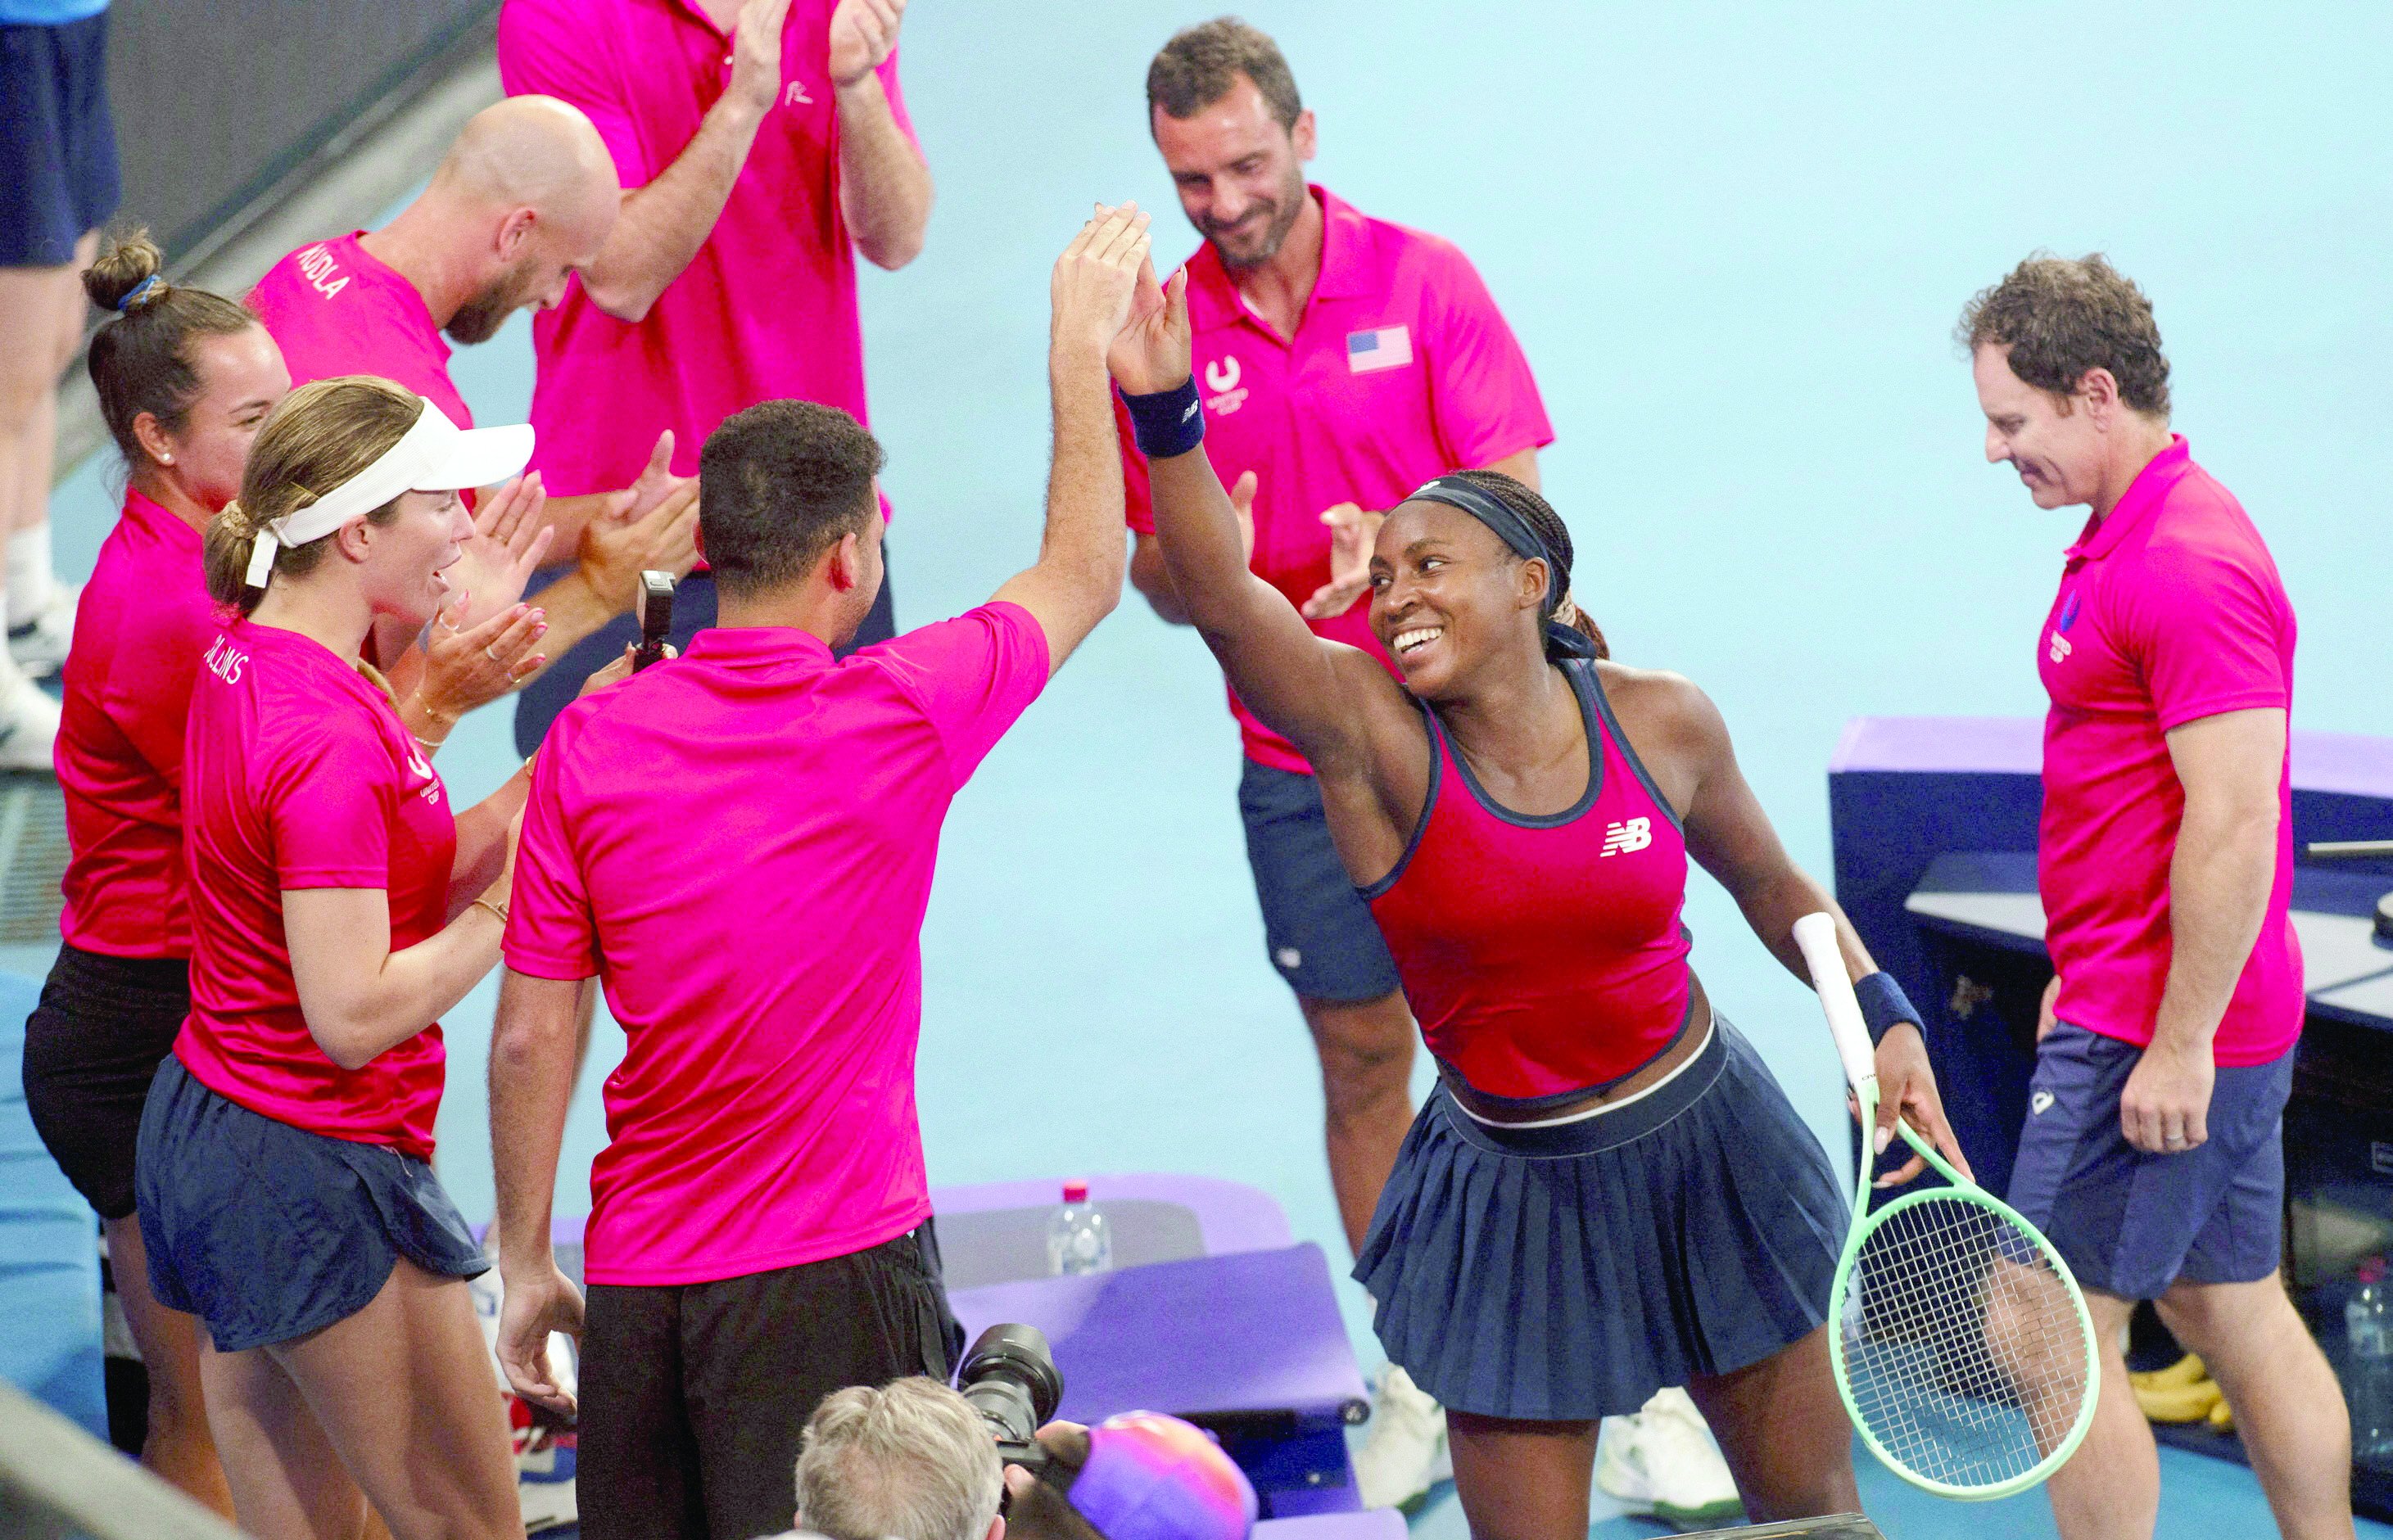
283	1172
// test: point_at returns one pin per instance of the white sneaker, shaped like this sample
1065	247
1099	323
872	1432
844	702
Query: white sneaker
40	645
1663	1461
29	723
1406	1454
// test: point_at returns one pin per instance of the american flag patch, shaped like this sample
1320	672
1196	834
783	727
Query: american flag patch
1388	348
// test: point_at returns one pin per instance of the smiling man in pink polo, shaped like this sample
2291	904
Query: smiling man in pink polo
2151	1153
762	144
1343	361
739	843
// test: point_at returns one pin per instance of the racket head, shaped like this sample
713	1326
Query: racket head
1961	1344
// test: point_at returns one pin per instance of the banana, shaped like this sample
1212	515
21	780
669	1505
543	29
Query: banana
2179	1403
2221	1420
2185	1371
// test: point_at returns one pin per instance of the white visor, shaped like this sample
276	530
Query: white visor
435	455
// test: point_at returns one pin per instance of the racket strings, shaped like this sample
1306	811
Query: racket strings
1964	1352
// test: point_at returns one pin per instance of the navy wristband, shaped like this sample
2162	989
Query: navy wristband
1884	1005
1168	422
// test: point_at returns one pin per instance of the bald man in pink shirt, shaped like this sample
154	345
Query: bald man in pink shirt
2151	1154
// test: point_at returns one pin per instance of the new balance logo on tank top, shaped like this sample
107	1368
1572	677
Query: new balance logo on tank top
1537	968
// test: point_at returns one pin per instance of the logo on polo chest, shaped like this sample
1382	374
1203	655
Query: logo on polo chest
1627	837
2060	649
1222	379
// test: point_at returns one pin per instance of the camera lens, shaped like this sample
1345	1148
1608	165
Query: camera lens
1009	1376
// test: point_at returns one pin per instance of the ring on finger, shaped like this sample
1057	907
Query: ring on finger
491	656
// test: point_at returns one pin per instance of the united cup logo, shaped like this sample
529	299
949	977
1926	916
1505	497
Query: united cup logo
1634	834
1222	379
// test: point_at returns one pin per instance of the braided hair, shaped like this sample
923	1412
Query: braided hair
1539	516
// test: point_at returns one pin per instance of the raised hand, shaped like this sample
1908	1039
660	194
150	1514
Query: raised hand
1354	529
1152	351
1097	278
619	545
470	667
510	537
862	34
757	54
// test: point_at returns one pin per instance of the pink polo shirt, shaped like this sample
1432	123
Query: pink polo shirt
1401	368
739	842
297	774
143	623
2170	610
766	308
333	309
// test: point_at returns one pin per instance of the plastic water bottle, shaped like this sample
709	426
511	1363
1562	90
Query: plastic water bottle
2367	1330
1078	1238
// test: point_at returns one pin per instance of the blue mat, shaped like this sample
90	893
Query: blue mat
49	1250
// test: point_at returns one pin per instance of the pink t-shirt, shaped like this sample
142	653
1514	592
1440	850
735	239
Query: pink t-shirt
2170	610
740	843
765	310
297	774
1401	368
144	620
333	309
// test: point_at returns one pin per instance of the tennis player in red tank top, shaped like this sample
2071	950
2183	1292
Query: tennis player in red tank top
1607	1193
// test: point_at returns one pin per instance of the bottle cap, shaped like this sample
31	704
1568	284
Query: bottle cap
1075	1192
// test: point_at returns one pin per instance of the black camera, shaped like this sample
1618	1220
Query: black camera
1009	1376
653	605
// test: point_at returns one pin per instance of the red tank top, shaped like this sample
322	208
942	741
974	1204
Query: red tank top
1543	957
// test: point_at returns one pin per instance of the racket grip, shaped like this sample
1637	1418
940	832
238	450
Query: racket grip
1816	934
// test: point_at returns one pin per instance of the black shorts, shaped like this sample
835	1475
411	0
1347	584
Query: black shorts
1319	932
694	609
59	174
91	1048
693	1395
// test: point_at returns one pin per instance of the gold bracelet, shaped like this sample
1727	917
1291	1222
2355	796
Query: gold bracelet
486	904
445	719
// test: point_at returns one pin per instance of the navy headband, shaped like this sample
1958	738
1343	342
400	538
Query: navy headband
1562	641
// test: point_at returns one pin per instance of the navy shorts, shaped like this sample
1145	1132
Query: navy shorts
266	1232
59	174
2130	1223
545	698
1319	932
1568	1272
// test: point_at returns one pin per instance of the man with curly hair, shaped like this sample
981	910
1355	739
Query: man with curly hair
2151	1154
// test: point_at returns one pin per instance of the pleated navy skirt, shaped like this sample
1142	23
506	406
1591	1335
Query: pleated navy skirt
1569	1271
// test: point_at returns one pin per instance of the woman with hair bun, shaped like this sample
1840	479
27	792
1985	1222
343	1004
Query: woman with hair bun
183	378
283	1172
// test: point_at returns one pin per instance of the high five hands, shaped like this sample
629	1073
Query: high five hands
1103	283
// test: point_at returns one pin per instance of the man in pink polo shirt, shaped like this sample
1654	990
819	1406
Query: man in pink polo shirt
739	844
521	201
1344	360
762	144
2150	1153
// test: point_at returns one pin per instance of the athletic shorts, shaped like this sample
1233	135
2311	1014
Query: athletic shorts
2131	1222
92	1047
59	174
693	1395
1317	929
266	1232
694	608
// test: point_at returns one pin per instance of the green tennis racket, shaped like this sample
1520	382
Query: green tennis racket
1962	1346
